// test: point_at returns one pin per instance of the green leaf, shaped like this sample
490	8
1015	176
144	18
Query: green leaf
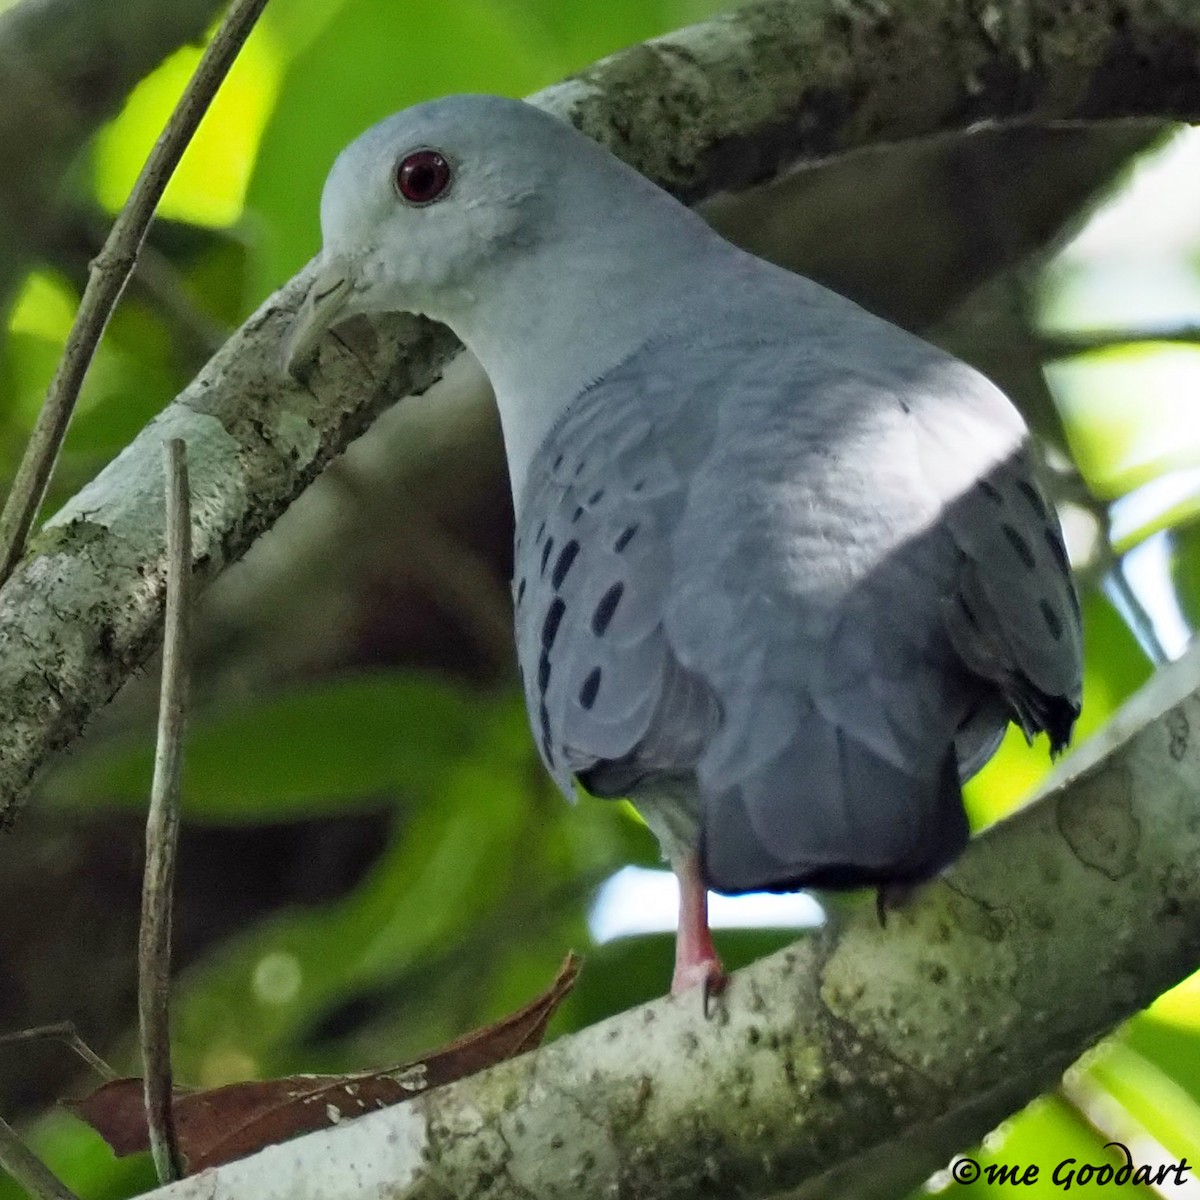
209	185
1044	1134
1128	413
468	844
81	1159
298	754
1185	570
1167	1035
1149	1095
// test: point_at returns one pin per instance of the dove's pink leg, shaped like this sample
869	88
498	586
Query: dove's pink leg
696	960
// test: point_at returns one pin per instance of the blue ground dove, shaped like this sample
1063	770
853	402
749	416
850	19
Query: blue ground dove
783	574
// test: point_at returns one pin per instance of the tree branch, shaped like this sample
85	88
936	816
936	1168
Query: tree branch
721	105
854	1047
108	276
162	830
1072	345
65	1032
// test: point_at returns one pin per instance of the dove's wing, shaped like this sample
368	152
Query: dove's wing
838	585
592	573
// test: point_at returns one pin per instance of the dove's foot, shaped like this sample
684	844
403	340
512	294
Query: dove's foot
892	897
696	961
707	973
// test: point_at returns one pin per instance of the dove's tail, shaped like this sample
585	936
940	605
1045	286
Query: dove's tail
829	813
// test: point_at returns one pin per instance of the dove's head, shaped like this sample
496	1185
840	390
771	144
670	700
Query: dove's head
549	257
426	209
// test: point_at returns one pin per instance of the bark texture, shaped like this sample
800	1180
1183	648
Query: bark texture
718	106
858	1045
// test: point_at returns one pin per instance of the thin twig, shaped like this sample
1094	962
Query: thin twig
64	1031
1128	603
29	1170
156	280
110	272
1106	567
1071	345
162	830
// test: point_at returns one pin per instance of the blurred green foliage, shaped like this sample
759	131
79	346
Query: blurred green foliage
487	876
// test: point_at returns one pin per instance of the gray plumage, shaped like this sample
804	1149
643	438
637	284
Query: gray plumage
815	606
782	574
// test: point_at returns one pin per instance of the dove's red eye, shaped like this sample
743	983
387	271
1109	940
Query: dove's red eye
421	177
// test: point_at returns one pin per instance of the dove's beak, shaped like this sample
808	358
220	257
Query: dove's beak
325	304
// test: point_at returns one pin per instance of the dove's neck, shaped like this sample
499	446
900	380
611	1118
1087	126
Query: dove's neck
552	320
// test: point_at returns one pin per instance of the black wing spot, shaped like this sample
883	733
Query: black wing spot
1020	545
543	672
577	514
565	558
547	550
1058	550
521	590
537	540
579	467
1034	499
595	497
544	717
625	538
554	616
591	685
547	749
603	615
558	462
637	487
992	492
1052	621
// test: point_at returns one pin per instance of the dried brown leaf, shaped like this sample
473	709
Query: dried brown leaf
217	1125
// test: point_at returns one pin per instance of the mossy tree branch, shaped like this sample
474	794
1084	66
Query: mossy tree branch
854	1063
720	105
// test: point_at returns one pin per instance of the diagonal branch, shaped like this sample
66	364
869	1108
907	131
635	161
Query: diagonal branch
719	106
1071	345
856	1056
107	279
